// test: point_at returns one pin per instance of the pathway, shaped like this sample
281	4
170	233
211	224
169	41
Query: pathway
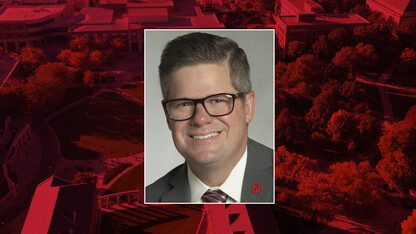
391	216
383	89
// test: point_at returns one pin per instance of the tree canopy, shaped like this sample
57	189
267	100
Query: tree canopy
398	163
409	225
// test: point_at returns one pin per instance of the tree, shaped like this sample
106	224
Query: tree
289	165
407	60
85	178
409	225
362	10
408	55
351	130
357	186
398	163
284	128
316	199
340	126
346	58
89	78
324	105
55	70
97	58
364	33
296	48
366	56
64	56
99	44
44	92
400	137
407	33
265	5
254	26
320	47
117	45
12	99
411	116
357	58
32	58
338	38
79	43
308	69
78	59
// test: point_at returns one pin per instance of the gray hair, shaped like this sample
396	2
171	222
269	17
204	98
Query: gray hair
197	48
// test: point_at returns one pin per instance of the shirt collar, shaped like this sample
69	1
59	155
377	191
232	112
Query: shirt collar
232	185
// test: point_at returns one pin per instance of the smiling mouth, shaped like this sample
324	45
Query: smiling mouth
206	136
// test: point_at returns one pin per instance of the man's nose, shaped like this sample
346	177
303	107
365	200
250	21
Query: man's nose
201	116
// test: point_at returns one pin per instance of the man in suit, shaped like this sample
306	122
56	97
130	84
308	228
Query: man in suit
208	104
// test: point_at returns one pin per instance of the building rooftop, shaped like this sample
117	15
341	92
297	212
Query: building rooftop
138	15
24	13
58	206
95	15
399	6
115	25
149	3
44	1
325	19
206	21
103	2
300	4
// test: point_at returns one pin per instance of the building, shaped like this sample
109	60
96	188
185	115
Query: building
147	4
59	206
126	19
294	7
395	11
308	27
33	25
207	3
99	22
38	2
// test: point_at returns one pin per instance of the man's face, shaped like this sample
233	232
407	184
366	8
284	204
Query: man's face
203	139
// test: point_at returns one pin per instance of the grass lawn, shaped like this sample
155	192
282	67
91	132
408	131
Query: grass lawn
135	90
153	219
105	126
132	180
401	103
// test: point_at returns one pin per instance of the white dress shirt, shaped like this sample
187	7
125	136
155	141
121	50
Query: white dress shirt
232	185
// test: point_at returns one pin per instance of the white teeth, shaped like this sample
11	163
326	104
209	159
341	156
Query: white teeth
206	136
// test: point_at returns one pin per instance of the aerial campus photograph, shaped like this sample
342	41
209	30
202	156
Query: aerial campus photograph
72	116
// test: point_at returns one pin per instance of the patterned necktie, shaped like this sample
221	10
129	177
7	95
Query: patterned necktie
214	196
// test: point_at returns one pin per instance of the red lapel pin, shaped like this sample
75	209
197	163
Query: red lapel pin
256	188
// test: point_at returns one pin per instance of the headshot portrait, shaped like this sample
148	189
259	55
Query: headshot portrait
209	116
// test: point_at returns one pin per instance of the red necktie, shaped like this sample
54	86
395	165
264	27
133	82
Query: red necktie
214	196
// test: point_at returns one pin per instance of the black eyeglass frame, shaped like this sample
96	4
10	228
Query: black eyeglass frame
202	101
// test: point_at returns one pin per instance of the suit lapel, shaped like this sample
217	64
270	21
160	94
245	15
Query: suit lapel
258	177
180	191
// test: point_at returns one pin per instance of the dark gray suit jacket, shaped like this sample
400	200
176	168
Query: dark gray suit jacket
258	182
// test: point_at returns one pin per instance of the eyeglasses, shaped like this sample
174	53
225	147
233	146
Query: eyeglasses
215	105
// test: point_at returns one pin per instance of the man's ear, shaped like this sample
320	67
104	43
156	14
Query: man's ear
250	101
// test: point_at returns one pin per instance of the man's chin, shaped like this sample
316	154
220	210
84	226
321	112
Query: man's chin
204	159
